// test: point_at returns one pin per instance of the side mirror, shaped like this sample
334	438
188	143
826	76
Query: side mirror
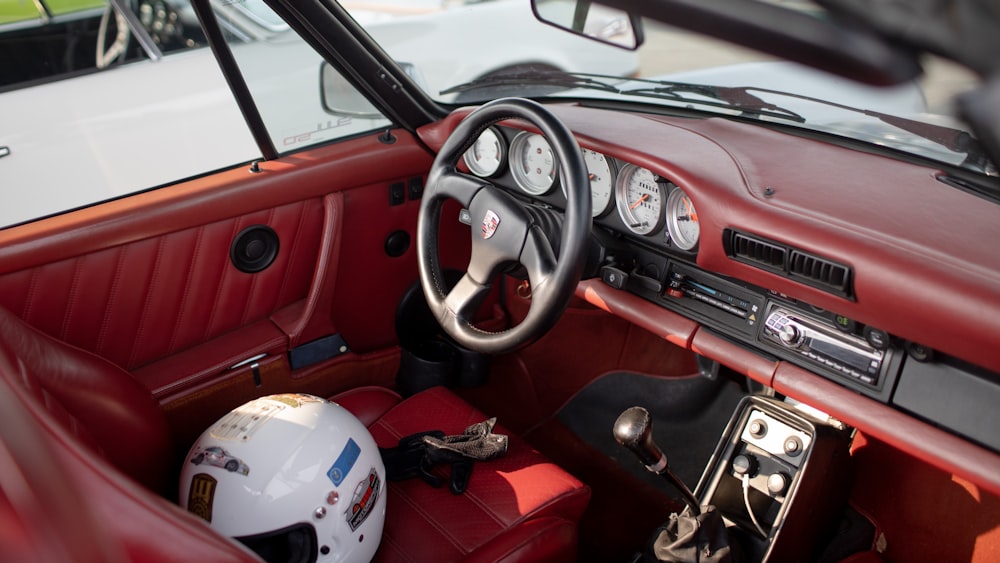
592	20
340	97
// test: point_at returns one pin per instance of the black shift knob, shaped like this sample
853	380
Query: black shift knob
634	430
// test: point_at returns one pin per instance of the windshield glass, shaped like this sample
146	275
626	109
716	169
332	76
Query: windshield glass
474	51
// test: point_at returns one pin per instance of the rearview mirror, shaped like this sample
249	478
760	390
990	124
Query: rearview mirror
592	20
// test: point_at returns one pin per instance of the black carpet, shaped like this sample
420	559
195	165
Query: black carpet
689	415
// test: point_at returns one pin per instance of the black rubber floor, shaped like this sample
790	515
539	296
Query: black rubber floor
689	415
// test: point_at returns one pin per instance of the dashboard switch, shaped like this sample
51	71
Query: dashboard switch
614	277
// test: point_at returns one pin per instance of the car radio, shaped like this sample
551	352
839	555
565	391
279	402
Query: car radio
817	344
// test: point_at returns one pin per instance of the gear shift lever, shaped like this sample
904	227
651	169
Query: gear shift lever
634	430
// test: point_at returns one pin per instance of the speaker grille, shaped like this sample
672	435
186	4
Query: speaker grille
254	249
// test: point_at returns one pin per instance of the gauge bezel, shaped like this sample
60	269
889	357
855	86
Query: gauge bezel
625	174
487	172
675	210
597	211
519	144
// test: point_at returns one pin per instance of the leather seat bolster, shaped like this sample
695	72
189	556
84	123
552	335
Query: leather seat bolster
98	401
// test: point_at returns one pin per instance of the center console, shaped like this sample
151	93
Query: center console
779	478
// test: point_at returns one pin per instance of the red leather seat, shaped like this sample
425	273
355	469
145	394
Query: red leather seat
519	507
73	427
104	425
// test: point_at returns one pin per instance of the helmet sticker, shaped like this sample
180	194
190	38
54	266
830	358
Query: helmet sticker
365	495
218	457
295	400
345	461
201	495
241	423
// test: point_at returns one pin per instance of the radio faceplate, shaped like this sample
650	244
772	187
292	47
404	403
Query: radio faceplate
813	342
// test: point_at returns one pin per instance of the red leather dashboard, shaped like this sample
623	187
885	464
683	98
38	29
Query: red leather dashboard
922	270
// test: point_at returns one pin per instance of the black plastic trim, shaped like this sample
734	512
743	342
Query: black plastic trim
789	262
231	71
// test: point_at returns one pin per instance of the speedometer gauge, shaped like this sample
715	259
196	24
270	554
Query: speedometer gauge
682	220
601	171
486	155
533	163
640	199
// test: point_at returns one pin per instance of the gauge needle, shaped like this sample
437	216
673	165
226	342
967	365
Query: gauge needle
691	213
638	201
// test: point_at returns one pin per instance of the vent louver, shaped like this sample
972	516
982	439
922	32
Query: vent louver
790	262
758	251
819	270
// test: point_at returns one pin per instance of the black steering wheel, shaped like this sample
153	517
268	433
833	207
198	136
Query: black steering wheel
505	232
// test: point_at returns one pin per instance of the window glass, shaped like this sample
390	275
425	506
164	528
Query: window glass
87	116
73	134
302	100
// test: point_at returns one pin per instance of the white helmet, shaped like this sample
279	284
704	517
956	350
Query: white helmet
294	477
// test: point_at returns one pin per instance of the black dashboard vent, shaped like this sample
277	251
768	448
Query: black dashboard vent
771	256
790	262
819	270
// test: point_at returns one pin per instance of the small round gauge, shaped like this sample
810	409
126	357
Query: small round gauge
640	199
601	171
533	163
682	220
486	156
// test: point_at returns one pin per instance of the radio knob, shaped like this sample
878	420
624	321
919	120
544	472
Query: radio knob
791	335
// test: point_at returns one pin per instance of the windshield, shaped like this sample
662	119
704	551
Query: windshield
474	51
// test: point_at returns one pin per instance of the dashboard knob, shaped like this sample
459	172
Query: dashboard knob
790	335
777	483
792	446
745	464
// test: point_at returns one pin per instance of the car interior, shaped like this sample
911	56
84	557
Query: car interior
818	366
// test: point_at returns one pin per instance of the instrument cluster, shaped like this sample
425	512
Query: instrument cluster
647	206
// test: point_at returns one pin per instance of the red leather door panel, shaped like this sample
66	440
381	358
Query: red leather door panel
139	302
146	281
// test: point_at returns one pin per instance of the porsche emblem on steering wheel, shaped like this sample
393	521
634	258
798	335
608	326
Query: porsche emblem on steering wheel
490	223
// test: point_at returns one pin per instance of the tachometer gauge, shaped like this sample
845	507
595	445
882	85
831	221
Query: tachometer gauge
533	163
486	156
601	171
640	199
682	220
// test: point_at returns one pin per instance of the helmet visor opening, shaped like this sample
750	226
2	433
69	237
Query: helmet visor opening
294	544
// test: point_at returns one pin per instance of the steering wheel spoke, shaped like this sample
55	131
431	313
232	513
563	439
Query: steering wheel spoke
538	259
455	185
464	299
